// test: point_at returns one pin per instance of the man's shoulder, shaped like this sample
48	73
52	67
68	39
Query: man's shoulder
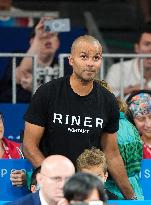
54	82
32	198
104	91
51	86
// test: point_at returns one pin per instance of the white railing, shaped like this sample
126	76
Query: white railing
61	68
121	57
35	71
34	64
32	14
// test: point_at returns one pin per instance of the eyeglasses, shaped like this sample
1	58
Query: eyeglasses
56	179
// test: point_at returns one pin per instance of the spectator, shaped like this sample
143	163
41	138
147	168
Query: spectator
73	113
139	104
33	184
6	5
131	68
44	45
84	187
93	161
55	170
11	150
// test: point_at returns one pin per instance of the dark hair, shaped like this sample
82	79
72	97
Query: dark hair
128	101
91	157
32	33
33	176
80	186
145	28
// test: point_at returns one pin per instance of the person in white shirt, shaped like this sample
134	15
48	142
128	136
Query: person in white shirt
44	45
132	68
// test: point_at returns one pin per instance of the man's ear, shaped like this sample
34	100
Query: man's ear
136	48
39	178
70	60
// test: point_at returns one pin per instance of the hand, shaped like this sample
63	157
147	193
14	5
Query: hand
26	82
40	33
18	178
63	202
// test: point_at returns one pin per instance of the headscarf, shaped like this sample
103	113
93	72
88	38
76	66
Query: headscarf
140	104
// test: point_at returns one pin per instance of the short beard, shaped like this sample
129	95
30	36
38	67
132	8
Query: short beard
84	81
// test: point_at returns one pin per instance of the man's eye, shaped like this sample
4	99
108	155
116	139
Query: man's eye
83	56
97	58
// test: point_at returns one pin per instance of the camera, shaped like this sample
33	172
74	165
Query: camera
57	25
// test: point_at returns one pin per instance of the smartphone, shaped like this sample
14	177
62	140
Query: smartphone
57	25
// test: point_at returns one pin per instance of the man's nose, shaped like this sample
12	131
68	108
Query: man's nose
61	184
90	62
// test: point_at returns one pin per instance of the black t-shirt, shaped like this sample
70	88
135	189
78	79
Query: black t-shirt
72	122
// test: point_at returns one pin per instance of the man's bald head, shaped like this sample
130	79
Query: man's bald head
54	162
84	39
55	170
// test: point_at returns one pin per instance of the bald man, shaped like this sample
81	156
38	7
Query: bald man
55	170
73	113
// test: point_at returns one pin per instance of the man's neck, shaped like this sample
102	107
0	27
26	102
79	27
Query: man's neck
80	87
45	60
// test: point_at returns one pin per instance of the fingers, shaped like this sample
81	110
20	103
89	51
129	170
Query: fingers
18	178
63	202
26	82
40	31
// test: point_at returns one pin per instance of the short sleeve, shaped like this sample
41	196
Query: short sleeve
113	122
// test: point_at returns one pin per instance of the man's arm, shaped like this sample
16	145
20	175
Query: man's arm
115	164
32	136
24	70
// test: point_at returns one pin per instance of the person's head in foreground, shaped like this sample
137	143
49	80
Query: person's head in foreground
93	161
55	170
84	187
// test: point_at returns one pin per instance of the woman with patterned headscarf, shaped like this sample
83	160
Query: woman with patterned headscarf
139	104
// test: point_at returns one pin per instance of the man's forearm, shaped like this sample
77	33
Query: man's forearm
118	173
34	155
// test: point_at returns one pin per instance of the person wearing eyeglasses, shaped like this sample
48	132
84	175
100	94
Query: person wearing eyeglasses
55	171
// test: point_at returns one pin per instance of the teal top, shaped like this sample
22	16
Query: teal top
131	149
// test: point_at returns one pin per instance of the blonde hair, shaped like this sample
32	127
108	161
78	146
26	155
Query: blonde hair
122	104
90	158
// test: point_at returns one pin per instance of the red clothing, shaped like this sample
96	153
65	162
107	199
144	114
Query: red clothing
10	149
146	151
